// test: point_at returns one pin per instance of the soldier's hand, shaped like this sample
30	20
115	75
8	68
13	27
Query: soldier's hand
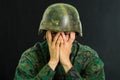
53	43
65	50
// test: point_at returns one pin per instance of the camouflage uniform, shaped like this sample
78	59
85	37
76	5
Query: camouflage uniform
86	64
33	64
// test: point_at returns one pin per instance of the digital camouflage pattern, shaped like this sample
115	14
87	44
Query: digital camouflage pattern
86	64
61	17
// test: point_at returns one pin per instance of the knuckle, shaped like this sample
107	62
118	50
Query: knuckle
52	47
72	38
58	42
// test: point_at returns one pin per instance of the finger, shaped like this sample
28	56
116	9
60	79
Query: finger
61	40
72	37
58	41
67	37
49	36
56	37
64	37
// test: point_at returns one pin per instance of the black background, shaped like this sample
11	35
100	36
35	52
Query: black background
20	21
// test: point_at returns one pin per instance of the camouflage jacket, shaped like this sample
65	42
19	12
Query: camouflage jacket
86	64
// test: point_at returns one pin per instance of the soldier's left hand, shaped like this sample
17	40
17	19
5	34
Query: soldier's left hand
65	49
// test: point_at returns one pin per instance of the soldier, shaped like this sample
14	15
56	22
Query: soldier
60	56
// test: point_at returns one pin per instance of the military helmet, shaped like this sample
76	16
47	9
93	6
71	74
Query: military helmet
61	17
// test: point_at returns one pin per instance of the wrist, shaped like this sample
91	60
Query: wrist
67	66
52	64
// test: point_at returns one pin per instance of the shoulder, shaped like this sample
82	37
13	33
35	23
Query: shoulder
35	51
90	57
85	50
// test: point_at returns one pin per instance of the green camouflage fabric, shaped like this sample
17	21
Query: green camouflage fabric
86	64
61	17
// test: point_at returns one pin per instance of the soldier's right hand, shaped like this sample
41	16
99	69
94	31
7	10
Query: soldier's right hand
53	43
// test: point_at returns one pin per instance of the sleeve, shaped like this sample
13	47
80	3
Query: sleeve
26	71
73	74
93	71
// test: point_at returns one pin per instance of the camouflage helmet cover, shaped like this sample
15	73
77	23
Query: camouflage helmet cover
61	17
